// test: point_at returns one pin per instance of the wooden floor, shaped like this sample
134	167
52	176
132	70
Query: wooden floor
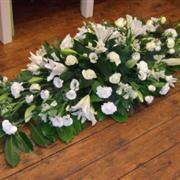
145	148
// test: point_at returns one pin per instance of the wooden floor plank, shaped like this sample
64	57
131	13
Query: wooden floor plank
164	167
131	156
72	159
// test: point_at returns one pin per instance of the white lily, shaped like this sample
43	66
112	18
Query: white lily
84	110
172	61
56	69
67	42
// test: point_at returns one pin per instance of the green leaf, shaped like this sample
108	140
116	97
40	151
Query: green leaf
131	63
28	113
38	137
24	76
78	126
2	136
120	117
66	134
11	151
23	142
100	115
95	99
4	97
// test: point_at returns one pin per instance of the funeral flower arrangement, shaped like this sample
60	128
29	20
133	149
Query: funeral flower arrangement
104	71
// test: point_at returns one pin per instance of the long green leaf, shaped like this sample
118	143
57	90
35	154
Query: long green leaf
28	113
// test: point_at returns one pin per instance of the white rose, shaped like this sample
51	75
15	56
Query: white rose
165	89
104	91
136	56
56	121
35	87
71	60
74	85
149	99
121	22
8	128
171	51
115	78
114	58
58	83
150	46
93	57
163	20
151	88
71	95
29	98
89	74
108	108
44	94
67	120
16	89
170	42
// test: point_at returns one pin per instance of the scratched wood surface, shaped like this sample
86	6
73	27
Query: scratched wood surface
147	147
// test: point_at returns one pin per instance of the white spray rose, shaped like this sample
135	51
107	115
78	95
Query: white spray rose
89	74
74	85
115	78
149	99
44	94
71	60
35	87
114	58
136	56
93	57
151	88
170	42
29	98
58	83
104	91
16	89
71	94
121	22
8	128
108	108
165	89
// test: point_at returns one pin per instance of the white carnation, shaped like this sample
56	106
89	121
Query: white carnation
171	32
149	99
29	98
74	85
71	95
104	91
71	60
8	128
58	83
114	58
108	108
151	88
44	94
89	74
115	78
35	87
16	89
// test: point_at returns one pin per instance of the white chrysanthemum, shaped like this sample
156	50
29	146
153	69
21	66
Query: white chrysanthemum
108	108
44	94
89	74
58	83
71	60
114	58
67	120
149	99
115	78
151	88
29	98
16	89
74	85
67	42
104	91
35	87
121	22
57	121
165	89
136	56
93	57
71	94
8	128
